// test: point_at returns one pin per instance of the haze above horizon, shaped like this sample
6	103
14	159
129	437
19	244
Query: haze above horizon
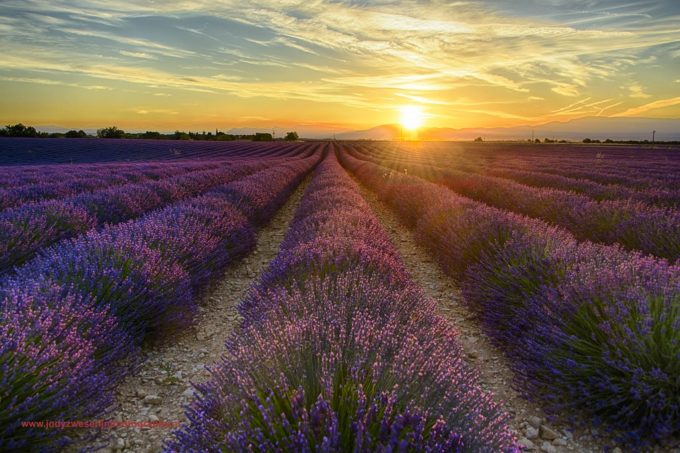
328	66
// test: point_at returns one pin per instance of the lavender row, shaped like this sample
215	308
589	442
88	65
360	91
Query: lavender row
68	182
652	196
27	229
23	151
607	171
591	329
72	320
52	181
13	176
635	225
604	170
637	168
18	177
339	351
546	170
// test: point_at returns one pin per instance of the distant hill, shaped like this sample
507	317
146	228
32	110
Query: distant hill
600	128
384	132
576	130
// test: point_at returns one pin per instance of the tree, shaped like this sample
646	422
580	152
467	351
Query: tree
151	134
292	136
19	130
110	132
75	134
262	137
479	139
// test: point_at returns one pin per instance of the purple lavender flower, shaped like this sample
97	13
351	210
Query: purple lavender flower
339	351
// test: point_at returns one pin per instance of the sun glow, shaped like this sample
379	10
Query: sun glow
412	117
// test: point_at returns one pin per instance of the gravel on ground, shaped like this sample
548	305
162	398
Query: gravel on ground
534	431
162	385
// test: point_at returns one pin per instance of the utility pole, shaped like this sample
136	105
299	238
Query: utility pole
653	136
532	136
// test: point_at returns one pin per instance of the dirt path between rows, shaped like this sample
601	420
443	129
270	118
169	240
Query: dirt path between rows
161	387
528	420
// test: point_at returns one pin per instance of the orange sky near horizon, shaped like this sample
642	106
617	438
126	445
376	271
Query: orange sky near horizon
329	66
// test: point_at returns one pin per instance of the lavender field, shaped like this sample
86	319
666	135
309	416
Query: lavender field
362	296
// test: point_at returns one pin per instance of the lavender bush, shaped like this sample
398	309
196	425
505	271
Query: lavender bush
54	353
591	329
340	352
633	224
33	226
73	318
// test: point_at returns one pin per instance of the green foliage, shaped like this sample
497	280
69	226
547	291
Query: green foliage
110	132
19	130
151	134
292	136
263	137
75	134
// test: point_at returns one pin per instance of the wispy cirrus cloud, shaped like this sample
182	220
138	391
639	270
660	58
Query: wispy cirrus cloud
642	109
463	61
39	81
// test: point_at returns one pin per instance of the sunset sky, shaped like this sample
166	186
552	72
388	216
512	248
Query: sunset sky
333	66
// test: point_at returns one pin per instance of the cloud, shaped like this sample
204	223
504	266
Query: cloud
636	91
608	107
636	111
156	111
371	55
39	81
142	55
148	45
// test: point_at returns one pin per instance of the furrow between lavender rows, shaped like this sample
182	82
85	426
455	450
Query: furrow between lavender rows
73	319
162	384
71	180
539	177
591	331
27	229
658	169
33	175
528	419
634	225
52	182
340	351
24	152
653	196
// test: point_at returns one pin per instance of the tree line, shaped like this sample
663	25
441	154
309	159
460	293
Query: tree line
20	130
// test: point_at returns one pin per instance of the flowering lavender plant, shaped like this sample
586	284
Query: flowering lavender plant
340	351
591	329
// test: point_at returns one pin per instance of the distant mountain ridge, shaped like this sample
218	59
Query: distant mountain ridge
600	128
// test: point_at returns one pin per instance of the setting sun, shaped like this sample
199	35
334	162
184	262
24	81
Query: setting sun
412	117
